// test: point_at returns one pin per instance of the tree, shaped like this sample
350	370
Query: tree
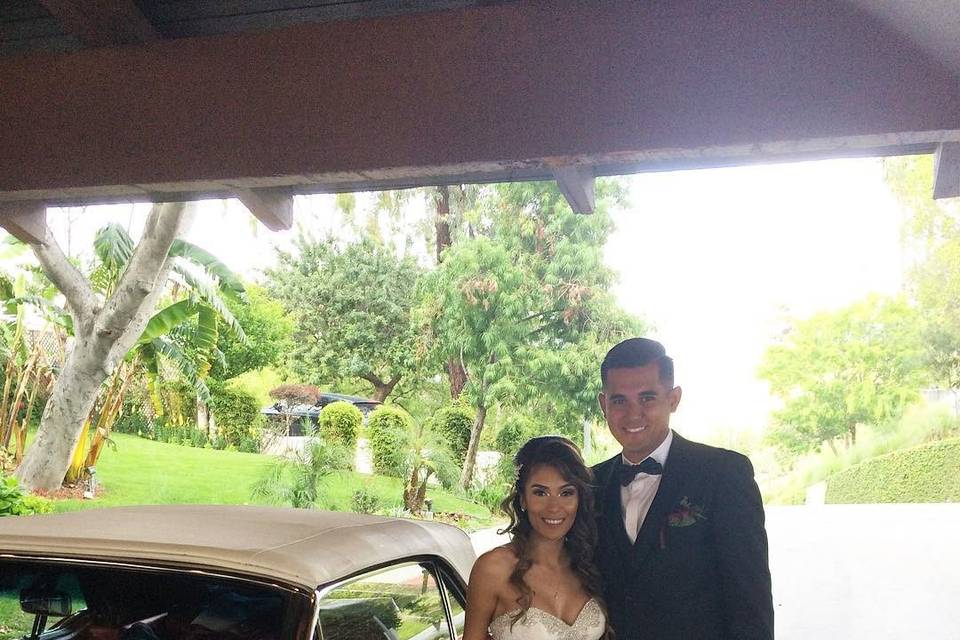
529	287
352	307
105	329
836	370
268	329
932	236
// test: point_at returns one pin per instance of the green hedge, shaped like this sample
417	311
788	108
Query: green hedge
389	430
928	473
454	423
238	418
340	422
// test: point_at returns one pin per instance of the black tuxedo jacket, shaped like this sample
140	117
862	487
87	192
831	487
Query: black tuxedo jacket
698	569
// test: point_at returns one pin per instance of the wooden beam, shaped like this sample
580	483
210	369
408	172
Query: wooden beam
946	171
576	185
26	221
770	79
99	23
272	207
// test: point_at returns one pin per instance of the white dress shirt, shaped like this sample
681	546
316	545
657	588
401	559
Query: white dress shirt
637	496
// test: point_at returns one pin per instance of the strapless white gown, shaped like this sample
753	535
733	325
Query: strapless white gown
537	624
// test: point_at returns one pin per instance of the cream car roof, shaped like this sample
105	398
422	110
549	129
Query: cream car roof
295	546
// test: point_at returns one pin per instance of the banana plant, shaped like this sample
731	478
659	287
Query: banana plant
183	333
24	370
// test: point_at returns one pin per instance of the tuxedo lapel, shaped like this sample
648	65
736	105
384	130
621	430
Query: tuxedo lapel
612	508
668	495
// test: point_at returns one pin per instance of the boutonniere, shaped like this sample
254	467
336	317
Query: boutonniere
684	515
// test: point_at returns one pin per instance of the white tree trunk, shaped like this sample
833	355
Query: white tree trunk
104	334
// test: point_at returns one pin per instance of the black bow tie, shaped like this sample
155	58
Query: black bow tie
629	471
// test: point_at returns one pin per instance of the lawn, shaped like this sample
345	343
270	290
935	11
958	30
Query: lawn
141	471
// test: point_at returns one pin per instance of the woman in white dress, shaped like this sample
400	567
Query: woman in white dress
542	585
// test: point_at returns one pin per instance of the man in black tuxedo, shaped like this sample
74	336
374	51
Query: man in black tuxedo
682	548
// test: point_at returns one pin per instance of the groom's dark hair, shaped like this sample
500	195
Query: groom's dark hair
638	352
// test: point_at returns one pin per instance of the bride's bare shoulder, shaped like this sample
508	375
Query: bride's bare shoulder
495	564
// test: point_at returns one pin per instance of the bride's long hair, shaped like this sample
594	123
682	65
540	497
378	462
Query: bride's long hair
580	542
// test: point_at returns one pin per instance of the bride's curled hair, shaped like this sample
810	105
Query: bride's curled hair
579	543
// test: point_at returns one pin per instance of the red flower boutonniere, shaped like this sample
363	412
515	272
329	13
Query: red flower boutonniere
685	514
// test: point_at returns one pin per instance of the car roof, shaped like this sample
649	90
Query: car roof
299	547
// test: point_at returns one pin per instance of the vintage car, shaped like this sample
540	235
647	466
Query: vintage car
230	572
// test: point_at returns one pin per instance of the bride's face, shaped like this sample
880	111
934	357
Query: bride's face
550	501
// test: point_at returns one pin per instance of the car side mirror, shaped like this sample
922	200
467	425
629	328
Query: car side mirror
45	603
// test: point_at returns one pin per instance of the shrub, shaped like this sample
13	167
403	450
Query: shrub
928	473
296	393
238	417
389	430
365	501
13	502
516	430
453	423
340	422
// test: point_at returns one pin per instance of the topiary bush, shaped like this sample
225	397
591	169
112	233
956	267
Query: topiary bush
238	418
340	422
389	430
453	423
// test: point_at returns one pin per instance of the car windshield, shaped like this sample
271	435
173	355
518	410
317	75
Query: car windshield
85	602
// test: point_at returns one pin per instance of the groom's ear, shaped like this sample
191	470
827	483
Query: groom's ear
674	396
602	401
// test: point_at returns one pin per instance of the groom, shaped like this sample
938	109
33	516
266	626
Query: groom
682	549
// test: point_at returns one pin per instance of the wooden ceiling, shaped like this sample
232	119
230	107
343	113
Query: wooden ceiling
133	100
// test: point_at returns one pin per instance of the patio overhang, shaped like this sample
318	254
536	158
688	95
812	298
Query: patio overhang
513	91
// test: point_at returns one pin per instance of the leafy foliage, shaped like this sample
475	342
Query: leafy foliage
932	231
352	307
13	502
525	306
859	365
296	393
453	423
389	430
297	482
365	501
928	473
340	422
238	417
269	335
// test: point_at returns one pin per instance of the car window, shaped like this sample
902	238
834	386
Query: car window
123	603
399	603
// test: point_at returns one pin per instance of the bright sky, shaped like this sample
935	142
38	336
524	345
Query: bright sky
715	259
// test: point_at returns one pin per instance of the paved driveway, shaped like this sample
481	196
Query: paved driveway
859	572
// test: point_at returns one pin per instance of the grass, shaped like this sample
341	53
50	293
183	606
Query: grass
141	471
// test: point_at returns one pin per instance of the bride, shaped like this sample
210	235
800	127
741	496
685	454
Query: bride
542	585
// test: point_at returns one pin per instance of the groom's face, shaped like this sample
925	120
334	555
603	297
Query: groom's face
637	407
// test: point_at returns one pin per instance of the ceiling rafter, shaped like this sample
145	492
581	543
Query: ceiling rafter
946	177
272	207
